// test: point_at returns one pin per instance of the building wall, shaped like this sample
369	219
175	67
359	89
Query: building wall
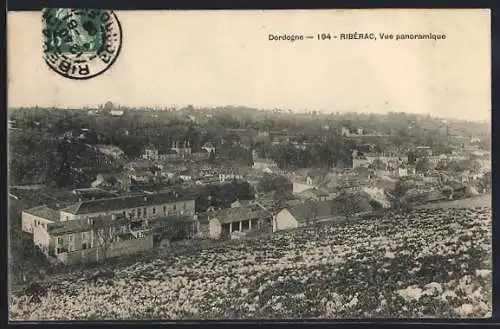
129	247
263	165
43	240
285	221
73	241
80	256
383	158
150	154
29	221
182	207
116	249
67	216
214	228
357	162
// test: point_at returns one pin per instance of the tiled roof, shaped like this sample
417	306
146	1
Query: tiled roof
236	214
93	192
204	217
83	225
44	212
314	192
165	221
125	202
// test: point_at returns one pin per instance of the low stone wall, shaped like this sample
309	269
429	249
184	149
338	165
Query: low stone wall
117	249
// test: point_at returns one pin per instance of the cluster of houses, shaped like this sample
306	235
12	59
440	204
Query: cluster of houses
94	229
179	150
104	224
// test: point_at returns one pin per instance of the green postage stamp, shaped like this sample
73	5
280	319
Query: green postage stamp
80	43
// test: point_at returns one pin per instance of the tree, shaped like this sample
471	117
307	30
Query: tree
448	192
485	182
351	204
270	182
211	157
312	207
398	193
106	232
266	183
108	106
378	164
279	199
423	165
463	165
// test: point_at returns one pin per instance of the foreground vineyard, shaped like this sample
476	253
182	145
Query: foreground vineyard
426	263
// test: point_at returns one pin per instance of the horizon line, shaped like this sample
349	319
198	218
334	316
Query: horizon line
178	107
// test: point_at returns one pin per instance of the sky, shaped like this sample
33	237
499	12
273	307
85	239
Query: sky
222	58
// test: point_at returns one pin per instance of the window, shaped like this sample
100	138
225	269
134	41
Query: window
59	240
136	225
145	212
124	214
165	209
184	206
154	210
139	212
245	225
67	217
175	207
70	237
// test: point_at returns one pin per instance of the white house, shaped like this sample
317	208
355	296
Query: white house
402	171
150	153
227	223
116	113
264	164
186	177
345	132
229	176
136	207
111	150
209	147
38	216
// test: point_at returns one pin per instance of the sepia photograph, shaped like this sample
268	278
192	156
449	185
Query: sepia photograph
249	165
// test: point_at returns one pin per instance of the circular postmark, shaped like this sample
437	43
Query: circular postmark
80	43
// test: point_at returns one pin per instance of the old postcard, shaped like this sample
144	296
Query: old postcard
272	164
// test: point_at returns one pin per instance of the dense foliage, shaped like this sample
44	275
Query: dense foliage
36	154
